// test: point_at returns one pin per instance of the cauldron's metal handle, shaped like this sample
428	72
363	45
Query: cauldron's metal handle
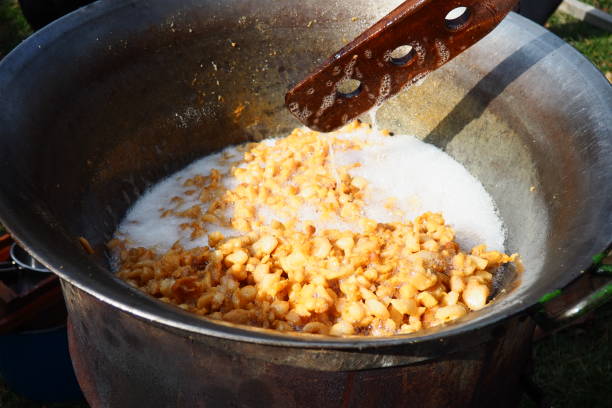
553	311
435	36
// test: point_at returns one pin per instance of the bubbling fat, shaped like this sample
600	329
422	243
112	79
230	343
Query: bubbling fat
335	234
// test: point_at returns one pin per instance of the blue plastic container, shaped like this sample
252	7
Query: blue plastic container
36	364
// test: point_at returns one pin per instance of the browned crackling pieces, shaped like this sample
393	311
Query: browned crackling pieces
385	279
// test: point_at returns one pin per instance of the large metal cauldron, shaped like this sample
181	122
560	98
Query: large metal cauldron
106	101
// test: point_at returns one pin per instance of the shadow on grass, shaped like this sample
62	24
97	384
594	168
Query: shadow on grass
13	26
577	31
590	41
8	399
573	367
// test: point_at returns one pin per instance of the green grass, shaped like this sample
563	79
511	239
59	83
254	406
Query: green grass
13	27
605	5
574	366
9	399
593	42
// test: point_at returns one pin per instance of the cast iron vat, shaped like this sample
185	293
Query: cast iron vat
101	104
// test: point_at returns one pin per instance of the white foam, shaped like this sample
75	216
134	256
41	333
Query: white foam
423	178
385	89
418	175
143	226
420	51
443	52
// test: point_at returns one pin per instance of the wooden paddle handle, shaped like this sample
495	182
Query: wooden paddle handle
374	64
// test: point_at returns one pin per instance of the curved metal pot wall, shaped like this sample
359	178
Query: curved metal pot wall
108	100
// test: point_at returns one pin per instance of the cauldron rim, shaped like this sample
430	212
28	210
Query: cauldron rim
80	273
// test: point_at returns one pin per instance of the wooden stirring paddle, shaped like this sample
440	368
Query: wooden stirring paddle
402	48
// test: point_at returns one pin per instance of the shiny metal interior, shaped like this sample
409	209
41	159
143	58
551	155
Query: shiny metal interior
94	111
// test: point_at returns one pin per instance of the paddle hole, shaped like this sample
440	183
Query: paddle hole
402	55
349	88
457	18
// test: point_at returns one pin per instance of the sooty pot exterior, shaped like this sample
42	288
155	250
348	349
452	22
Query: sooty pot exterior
166	368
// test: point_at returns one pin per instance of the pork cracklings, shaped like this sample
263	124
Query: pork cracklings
376	279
